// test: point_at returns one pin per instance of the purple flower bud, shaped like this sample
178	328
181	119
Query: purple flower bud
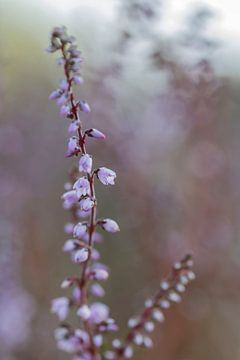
61	332
106	176
64	110
147	341
66	283
63	85
76	294
149	326
109	225
73	127
70	245
83	105
62	100
97	290
100	274
73	147
84	312
86	204
68	228
95	255
54	94
99	313
77	79
60	61
70	198
85	163
94	133
81	255
128	352
79	230
157	315
98	340
82	187
60	306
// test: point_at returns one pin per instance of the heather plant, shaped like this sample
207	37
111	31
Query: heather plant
94	337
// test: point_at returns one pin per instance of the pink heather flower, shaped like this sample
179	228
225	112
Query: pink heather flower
63	85
66	283
97	290
106	176
74	125
99	313
70	198
60	306
64	110
81	255
100	274
61	332
95	255
79	230
98	340
94	133
86	204
84	312
82	336
110	225
72	147
128	352
70	245
82	187
61	100
76	294
69	345
77	79
68	228
54	95
83	105
85	163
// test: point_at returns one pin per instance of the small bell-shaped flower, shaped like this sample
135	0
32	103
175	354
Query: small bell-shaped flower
94	133
79	230
81	255
106	176
109	225
82	187
73	146
85	163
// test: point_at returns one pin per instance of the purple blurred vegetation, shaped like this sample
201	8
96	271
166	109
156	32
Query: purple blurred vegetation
171	119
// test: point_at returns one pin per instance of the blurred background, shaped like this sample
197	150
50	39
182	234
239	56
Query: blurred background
163	81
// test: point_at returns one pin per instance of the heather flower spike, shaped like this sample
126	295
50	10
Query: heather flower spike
89	341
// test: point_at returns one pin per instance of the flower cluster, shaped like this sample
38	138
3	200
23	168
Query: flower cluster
87	341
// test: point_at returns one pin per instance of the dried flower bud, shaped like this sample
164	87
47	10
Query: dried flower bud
157	315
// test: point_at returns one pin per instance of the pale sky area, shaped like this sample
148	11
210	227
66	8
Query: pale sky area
225	27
